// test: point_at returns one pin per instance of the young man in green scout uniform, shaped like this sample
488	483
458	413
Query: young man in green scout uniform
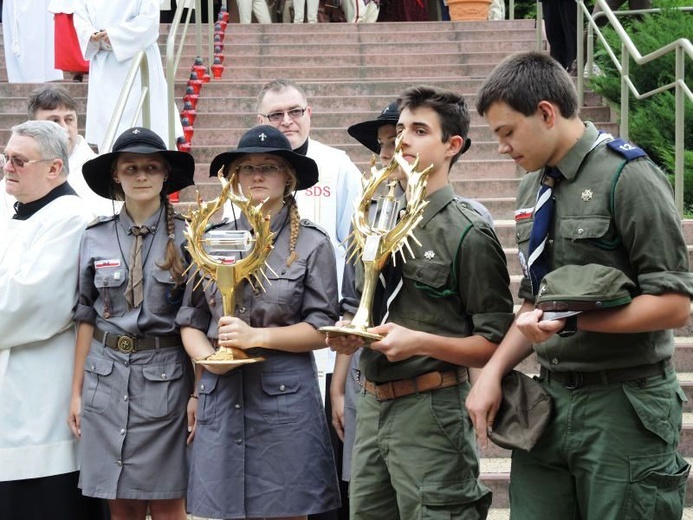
415	453
610	447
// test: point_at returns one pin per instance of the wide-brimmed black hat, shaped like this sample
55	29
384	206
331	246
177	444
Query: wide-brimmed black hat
267	139
366	132
98	171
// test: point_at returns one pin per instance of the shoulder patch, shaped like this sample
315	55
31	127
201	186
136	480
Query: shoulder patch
309	223
101	220
626	149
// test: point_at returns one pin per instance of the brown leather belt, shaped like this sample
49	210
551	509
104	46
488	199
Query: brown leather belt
129	344
575	380
423	383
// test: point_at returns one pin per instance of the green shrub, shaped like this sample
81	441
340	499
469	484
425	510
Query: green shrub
652	119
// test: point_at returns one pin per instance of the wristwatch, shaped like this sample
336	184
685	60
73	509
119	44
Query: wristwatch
570	327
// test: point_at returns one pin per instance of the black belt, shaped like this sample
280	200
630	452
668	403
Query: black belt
575	380
128	344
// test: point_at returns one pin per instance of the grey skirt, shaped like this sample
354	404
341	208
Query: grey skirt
134	423
262	446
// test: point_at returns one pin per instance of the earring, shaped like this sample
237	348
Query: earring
116	180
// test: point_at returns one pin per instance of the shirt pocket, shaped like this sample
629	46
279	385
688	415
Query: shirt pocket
207	398
285	285
98	382
430	278
163	297
110	283
588	233
163	388
282	403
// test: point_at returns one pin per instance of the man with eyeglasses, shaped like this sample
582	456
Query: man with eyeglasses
330	203
38	276
54	103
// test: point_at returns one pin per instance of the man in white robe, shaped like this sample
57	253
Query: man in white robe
110	34
28	35
54	103
38	273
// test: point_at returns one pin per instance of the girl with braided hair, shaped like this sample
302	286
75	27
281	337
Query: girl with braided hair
132	378
261	444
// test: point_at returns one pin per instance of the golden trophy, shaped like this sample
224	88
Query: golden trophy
228	257
378	238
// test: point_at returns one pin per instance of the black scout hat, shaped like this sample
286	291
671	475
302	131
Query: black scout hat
267	139
97	171
584	288
366	132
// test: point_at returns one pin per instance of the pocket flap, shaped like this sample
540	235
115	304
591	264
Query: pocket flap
109	277
163	373
665	470
437	493
433	273
644	404
279	384
584	228
99	366
207	383
162	276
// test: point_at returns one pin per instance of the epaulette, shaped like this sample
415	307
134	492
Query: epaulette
309	223
101	220
626	149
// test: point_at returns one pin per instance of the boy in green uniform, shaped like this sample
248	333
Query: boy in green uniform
415	453
610	447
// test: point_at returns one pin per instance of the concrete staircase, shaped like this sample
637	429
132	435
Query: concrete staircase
349	73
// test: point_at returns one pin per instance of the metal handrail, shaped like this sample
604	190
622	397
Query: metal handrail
173	58
140	63
680	47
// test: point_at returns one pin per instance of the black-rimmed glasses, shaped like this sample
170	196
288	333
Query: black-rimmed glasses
278	117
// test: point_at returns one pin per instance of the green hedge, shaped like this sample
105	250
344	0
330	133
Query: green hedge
652	119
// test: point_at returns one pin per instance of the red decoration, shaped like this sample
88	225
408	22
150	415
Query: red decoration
218	37
195	83
223	14
217	69
219	57
190	96
174	197
188	130
189	112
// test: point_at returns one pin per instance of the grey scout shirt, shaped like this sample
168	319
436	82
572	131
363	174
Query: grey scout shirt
103	275
457	285
615	213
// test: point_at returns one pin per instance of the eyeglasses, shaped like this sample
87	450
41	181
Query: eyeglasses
264	169
278	117
21	163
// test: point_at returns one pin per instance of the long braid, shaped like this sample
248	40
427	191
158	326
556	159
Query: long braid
295	226
173	262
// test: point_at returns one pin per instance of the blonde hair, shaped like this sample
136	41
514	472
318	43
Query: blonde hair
173	260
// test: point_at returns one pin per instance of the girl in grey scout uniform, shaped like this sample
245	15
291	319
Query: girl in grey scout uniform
261	445
132	378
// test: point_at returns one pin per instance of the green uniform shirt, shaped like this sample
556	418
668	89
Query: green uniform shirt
456	285
616	213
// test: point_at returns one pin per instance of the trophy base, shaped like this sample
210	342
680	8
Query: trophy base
332	332
227	357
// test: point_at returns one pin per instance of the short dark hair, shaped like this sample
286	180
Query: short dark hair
451	109
50	98
279	84
523	80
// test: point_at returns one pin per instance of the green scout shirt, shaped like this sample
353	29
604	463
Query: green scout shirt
456	285
615	213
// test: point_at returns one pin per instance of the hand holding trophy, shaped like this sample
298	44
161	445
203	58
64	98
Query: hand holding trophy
383	236
228	257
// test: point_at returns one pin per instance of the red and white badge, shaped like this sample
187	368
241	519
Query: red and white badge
100	264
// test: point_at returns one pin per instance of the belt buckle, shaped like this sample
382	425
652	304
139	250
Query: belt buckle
126	344
576	381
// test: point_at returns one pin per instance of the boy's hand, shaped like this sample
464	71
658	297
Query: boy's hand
399	342
482	404
535	330
344	344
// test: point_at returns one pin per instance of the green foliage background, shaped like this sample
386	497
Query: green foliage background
652	120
